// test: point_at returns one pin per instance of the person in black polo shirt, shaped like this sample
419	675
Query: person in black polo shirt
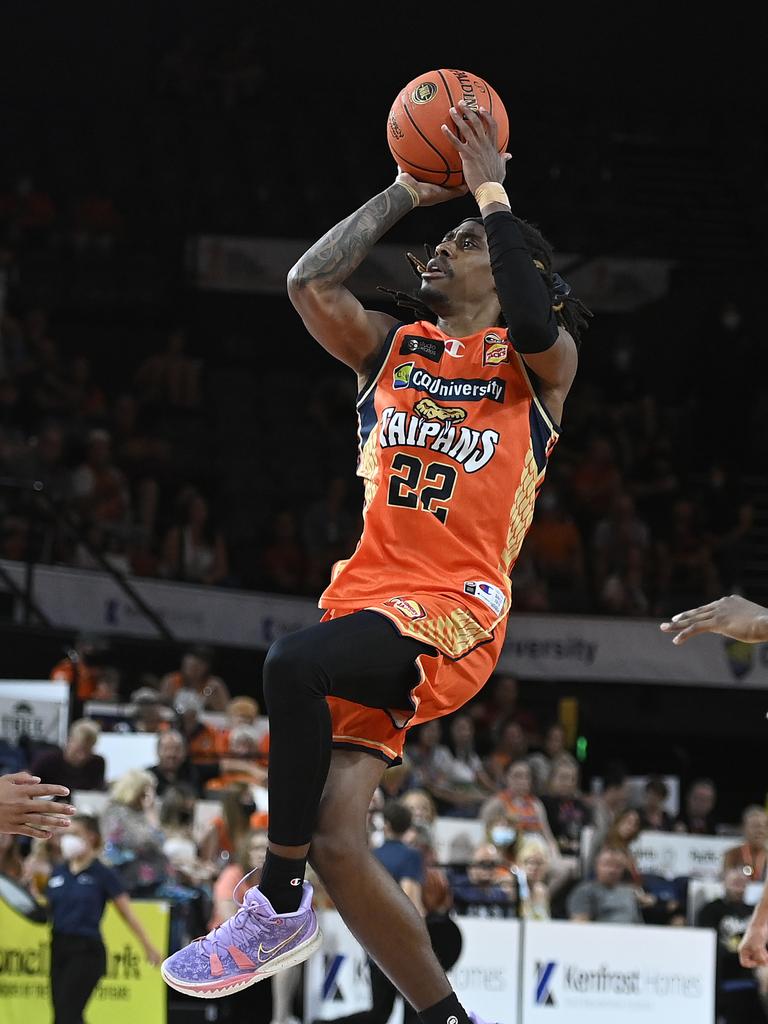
77	893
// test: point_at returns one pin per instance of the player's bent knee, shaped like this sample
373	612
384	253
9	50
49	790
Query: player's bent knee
336	852
288	669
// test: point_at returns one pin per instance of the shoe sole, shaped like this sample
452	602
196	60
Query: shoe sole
207	990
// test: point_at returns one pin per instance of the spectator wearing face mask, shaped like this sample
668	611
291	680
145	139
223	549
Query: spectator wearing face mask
517	802
77	893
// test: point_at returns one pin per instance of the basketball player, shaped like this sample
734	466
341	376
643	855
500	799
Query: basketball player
25	809
739	619
457	422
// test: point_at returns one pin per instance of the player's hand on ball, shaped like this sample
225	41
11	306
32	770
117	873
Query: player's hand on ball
430	195
474	134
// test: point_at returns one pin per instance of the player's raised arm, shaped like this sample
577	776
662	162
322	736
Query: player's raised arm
546	347
331	313
732	616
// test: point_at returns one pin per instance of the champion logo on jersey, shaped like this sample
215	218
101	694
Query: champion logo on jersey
487	593
455	348
495	350
415	345
410	609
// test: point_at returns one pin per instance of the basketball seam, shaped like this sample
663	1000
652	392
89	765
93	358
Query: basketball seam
429	170
448	170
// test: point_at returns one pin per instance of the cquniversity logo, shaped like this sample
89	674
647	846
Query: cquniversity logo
544	976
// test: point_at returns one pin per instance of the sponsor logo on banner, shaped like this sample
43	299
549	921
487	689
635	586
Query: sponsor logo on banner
544	976
487	593
455	348
458	389
495	351
410	609
430	348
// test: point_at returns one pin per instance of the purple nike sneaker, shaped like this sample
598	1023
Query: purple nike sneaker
249	947
475	1019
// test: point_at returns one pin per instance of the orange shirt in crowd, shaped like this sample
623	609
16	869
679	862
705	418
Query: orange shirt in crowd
258	820
86	677
203	745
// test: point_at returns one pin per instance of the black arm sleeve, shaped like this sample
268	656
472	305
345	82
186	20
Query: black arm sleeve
523	296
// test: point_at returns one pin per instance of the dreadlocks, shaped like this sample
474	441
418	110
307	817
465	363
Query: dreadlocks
571	313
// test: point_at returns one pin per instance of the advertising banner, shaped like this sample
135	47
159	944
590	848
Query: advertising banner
486	975
337	982
38	709
588	974
131	991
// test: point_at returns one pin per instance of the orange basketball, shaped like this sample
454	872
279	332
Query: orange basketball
415	138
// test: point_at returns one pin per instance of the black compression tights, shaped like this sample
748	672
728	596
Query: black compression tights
359	657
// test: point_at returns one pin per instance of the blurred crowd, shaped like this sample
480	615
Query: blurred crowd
526	837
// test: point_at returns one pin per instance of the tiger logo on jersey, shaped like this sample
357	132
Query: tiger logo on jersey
429	410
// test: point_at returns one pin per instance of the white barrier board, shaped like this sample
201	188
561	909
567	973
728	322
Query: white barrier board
673	854
485	976
588	974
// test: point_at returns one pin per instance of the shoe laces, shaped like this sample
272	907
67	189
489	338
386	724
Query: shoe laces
246	914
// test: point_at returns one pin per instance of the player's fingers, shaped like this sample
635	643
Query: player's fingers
455	141
466	121
704	609
32	832
691	631
22	779
45	789
49	822
490	125
685	619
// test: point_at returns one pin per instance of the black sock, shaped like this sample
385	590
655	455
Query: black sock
281	879
447	1011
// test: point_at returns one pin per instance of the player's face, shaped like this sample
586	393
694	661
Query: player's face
460	268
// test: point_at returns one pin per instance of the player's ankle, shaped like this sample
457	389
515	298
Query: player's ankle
282	882
447	1011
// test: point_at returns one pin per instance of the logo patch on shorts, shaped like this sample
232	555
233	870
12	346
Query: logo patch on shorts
410	609
487	593
495	351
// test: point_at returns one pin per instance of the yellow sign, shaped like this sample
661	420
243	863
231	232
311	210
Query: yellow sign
132	989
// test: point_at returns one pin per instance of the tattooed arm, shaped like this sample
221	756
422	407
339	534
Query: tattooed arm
331	313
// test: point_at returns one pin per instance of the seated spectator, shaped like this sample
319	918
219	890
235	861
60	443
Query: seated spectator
750	856
238	816
242	761
556	546
423	747
567	812
422	807
534	861
170	379
510	746
100	490
201	739
541	761
194	674
83	667
487	888
605	898
174	767
177	811
75	766
608	803
148	711
698	815
436	895
194	549
736	990
132	834
501	832
618	532
653	817
243	711
517	802
459	783
249	856
405	864
620	836
327	531
503	706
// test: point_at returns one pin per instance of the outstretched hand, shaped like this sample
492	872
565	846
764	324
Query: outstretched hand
732	616
430	195
24	813
475	138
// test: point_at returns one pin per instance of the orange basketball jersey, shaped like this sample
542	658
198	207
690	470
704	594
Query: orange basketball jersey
453	448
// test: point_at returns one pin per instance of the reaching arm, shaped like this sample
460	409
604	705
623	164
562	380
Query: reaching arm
123	905
331	313
732	616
